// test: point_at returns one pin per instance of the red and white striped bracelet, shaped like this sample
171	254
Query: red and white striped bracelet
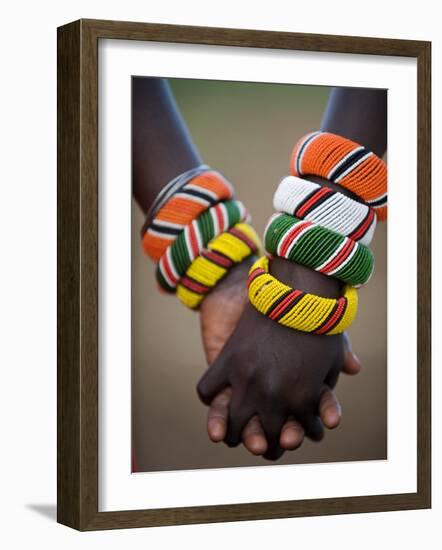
330	209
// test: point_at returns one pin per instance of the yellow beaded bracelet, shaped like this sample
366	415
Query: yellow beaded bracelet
297	309
222	253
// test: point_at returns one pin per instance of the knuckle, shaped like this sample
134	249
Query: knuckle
247	371
201	390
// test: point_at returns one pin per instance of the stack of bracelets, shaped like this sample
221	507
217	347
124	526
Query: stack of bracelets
196	232
322	229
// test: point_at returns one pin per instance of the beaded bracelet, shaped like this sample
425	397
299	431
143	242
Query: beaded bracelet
189	200
297	309
222	253
169	190
310	201
321	249
344	162
194	238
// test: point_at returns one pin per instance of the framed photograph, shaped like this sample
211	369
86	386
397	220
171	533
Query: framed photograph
242	174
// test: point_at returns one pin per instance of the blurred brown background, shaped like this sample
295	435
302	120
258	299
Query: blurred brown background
247	131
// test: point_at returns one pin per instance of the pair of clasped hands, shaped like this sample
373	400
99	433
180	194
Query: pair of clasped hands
269	386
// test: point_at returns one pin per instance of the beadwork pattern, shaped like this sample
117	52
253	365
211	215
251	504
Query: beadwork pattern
297	309
343	162
333	210
194	238
222	253
318	248
196	196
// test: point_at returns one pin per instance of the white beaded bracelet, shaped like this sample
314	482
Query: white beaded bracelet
333	210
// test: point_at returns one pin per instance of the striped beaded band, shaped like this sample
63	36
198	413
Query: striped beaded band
297	309
346	163
330	209
222	253
194	238
170	189
319	248
190	200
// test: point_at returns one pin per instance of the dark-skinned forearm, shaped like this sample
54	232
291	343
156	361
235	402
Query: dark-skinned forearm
360	115
161	144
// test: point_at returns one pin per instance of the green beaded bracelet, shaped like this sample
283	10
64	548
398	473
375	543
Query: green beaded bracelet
321	249
194	238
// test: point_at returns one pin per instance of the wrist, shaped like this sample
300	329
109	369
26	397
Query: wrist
304	278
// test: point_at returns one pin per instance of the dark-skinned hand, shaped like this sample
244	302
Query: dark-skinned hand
230	298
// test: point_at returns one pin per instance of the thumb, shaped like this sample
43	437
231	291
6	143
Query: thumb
213	380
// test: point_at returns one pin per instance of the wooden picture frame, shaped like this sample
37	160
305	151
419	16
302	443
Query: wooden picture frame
77	225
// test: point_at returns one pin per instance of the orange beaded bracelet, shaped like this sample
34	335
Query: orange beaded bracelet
343	162
192	199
